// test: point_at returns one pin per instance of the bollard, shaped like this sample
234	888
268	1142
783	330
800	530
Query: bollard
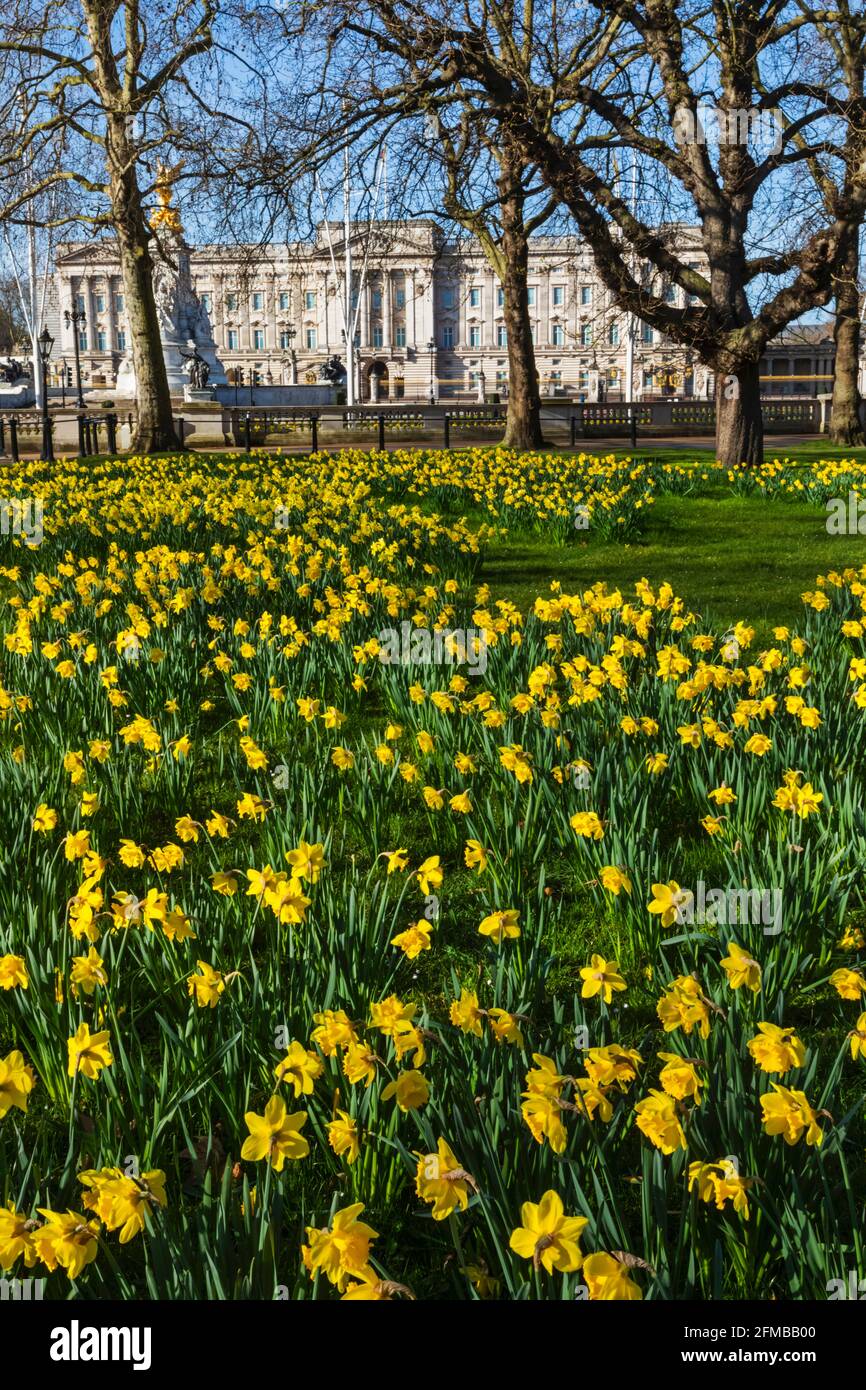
82	442
573	423
247	444
111	427
446	430
180	429
314	434
632	425
381	431
13	438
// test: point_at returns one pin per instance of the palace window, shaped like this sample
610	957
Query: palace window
530	296
231	301
475	297
310	299
258	300
448	336
586	335
259	339
558	296
501	335
232	339
377	335
558	335
400	336
121	340
284	300
311	338
613	335
119	303
475	337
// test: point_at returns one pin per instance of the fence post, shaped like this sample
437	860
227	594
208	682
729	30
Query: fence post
314	434
381	431
13	438
2	435
446	430
247	444
82	442
111	427
632	425
573	426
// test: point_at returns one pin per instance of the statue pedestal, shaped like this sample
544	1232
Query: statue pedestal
199	396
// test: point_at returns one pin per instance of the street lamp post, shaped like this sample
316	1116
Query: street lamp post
431	348
291	333
63	369
77	318
46	343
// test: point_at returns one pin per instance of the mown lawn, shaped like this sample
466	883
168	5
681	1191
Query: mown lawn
727	557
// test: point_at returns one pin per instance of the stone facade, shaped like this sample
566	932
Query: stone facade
430	319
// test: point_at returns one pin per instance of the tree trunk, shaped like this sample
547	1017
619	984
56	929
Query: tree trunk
155	425
845	427
155	422
523	422
739	423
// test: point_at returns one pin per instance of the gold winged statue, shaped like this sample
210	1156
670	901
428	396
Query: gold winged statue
166	217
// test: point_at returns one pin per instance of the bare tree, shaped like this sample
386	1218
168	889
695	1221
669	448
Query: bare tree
742	50
92	70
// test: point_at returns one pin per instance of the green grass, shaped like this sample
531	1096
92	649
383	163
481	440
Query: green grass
776	446
727	557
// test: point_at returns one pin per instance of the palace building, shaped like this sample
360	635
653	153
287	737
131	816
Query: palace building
428	316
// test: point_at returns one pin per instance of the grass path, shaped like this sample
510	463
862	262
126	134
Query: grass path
727	557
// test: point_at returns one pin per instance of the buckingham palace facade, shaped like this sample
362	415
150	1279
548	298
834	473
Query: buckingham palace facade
428	317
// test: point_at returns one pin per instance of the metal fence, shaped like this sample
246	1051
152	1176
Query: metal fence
445	424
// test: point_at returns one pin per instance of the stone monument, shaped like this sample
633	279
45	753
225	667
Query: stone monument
185	331
16	384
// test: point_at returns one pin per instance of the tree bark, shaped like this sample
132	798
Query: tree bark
739	422
845	427
154	429
523	421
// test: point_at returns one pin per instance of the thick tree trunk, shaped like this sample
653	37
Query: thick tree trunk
155	422
845	427
155	425
523	422
739	423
